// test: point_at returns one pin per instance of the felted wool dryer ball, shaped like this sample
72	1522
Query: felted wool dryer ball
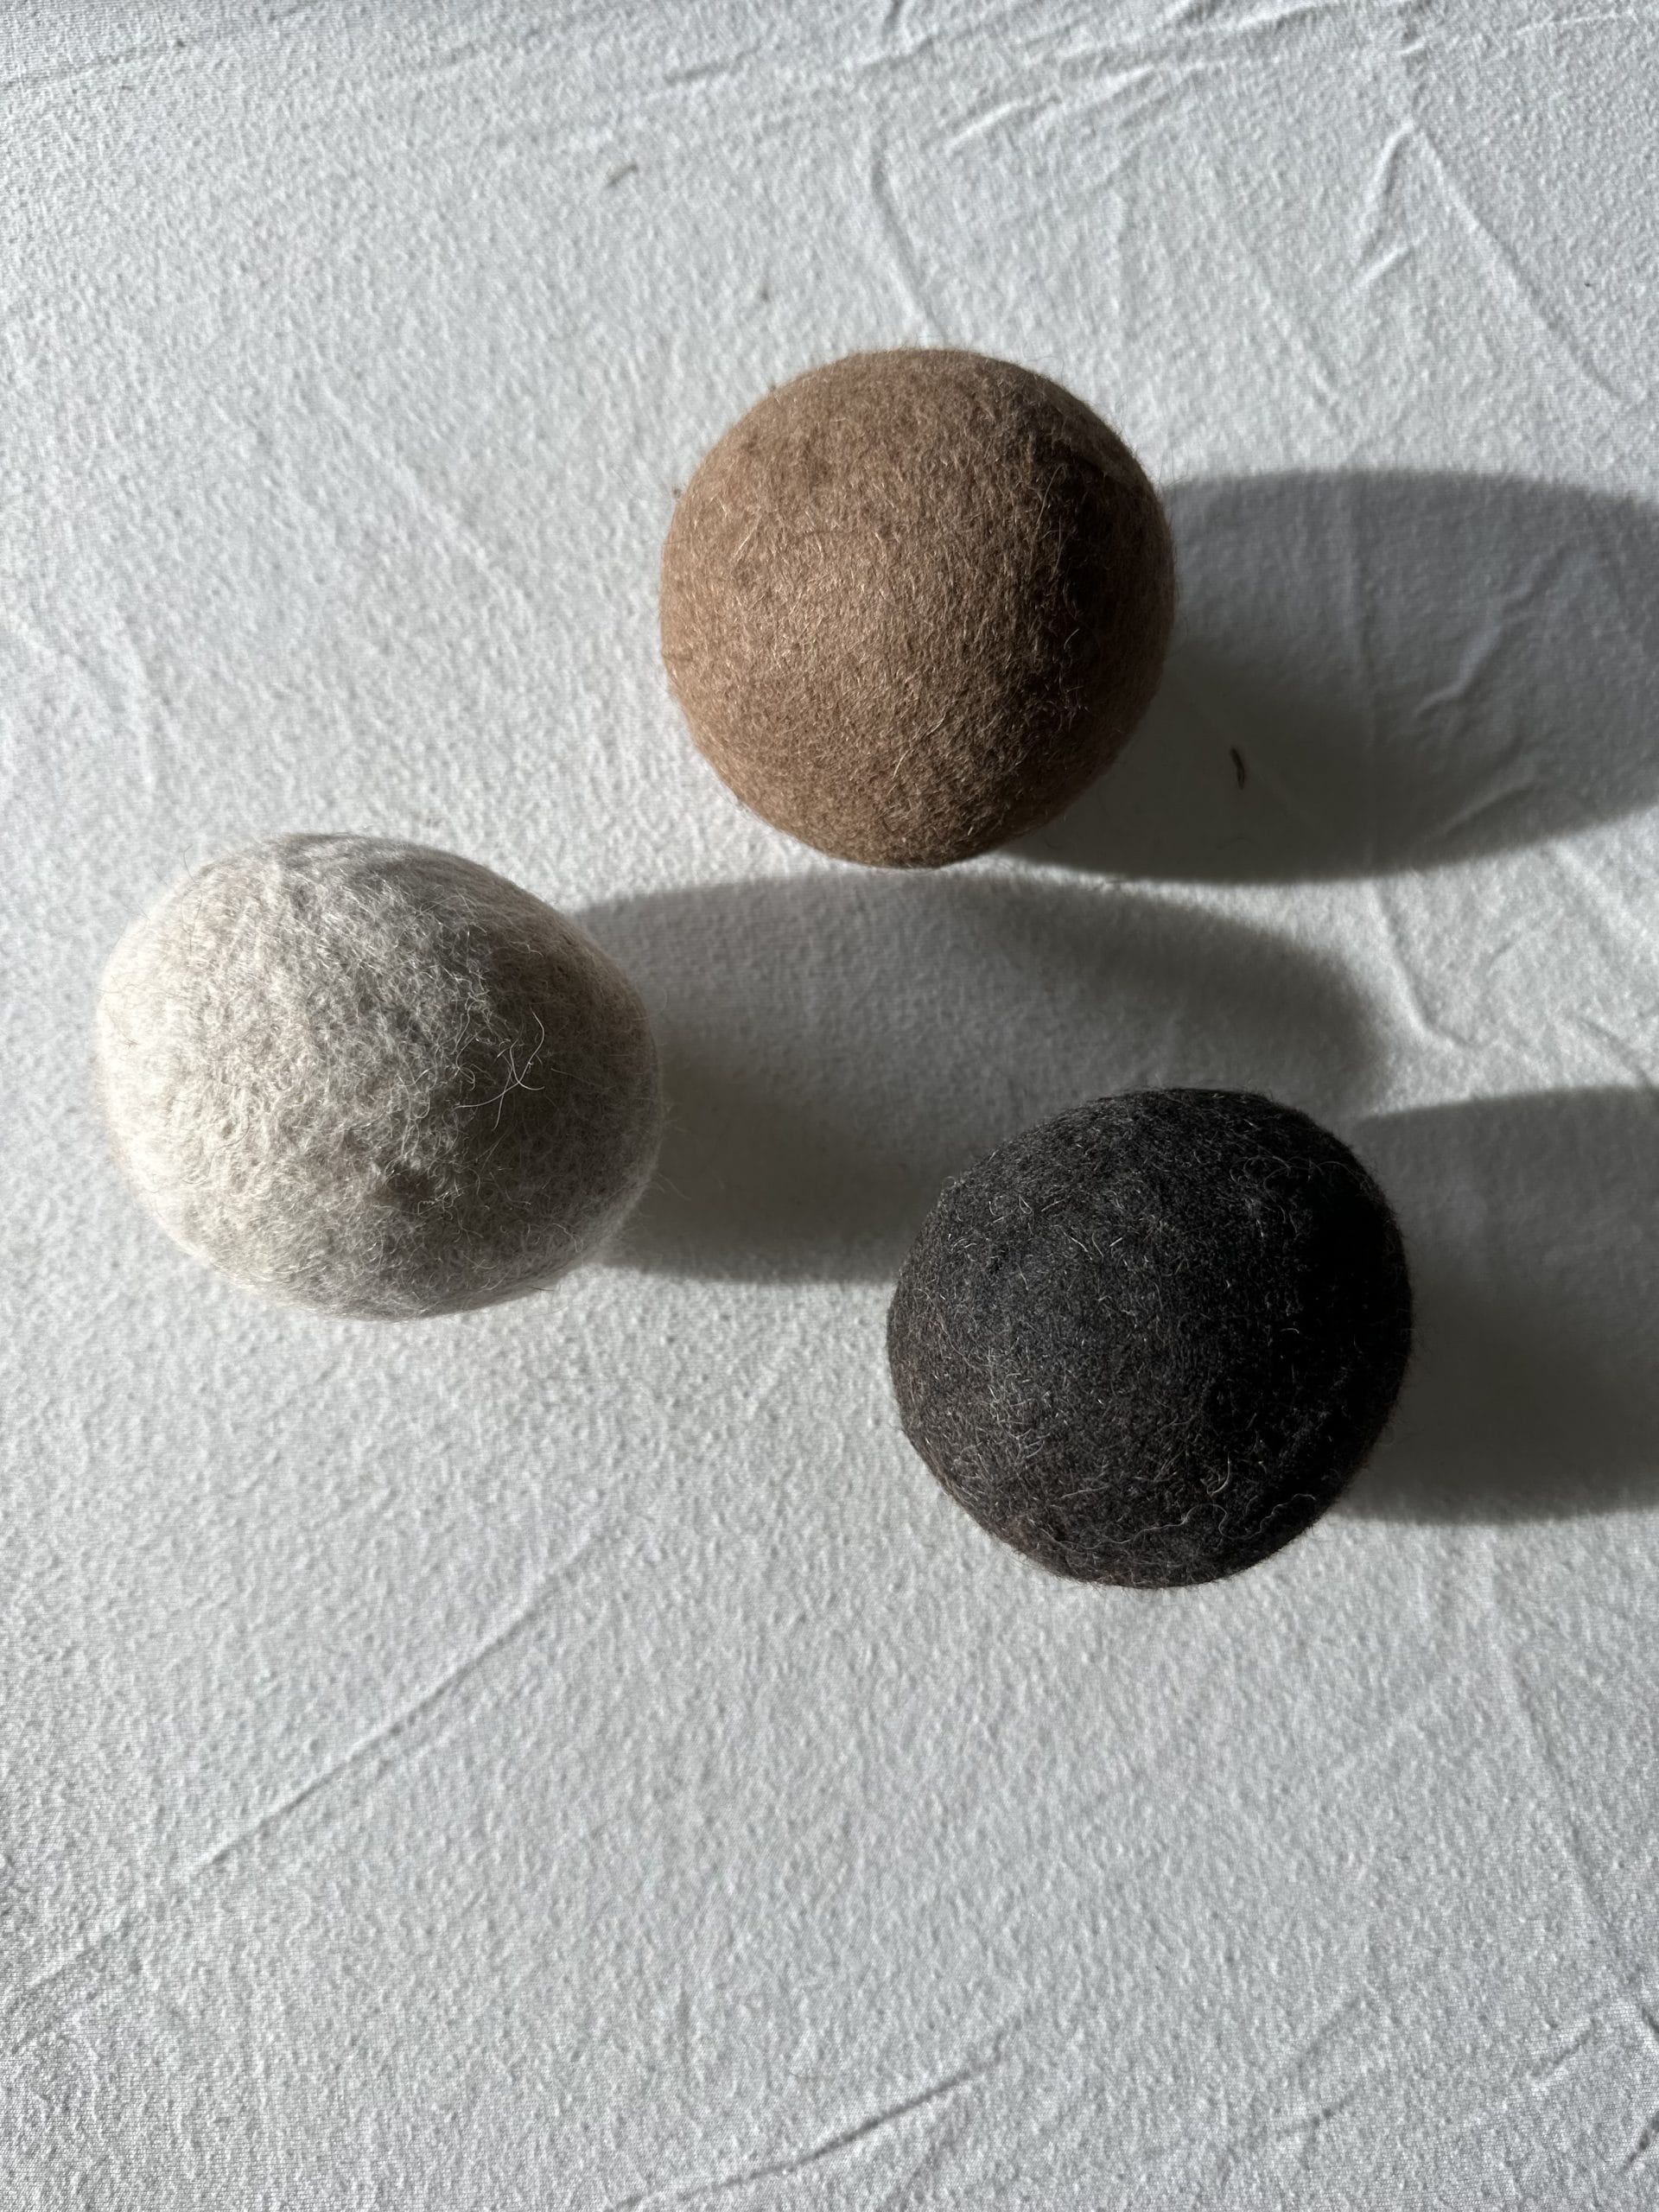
1149	1341
373	1078
914	602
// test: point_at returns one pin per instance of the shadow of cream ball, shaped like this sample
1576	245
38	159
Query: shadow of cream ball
914	602
372	1078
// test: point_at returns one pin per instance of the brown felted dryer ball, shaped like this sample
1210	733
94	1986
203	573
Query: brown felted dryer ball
914	602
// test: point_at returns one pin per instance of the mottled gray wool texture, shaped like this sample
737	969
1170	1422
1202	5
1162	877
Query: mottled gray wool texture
372	1079
1149	1341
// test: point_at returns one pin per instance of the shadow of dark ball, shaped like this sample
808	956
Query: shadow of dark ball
1150	1341
1371	673
1533	1226
834	1045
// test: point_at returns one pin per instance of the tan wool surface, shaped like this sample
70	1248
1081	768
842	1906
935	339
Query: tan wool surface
914	602
373	1078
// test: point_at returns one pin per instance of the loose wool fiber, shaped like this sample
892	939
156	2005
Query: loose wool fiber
1149	1341
373	1078
914	602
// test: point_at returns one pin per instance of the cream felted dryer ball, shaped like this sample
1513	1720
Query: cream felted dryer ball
914	602
373	1078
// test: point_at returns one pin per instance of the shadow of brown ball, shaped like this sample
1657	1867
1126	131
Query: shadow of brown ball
1373	673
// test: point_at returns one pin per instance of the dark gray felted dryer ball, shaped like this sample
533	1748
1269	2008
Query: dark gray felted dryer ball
1149	1341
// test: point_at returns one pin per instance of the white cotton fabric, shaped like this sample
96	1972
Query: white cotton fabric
571	1754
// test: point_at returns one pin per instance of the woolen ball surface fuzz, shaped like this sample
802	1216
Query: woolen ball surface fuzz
375	1079
914	602
1149	1341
